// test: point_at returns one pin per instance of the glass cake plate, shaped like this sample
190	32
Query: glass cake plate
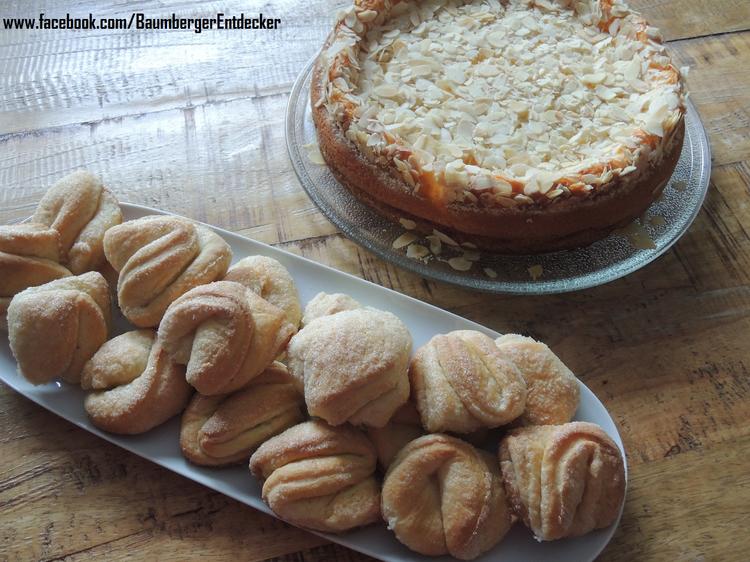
621	253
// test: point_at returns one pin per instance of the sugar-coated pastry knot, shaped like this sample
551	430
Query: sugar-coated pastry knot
563	480
325	304
134	385
353	365
56	327
462	383
552	389
443	496
29	256
81	209
160	258
225	429
225	334
319	477
267	278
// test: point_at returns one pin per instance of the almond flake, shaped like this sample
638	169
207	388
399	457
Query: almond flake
444	238
407	223
491	273
313	153
416	251
460	264
404	240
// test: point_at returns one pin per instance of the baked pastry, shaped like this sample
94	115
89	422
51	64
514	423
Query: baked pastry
522	126
563	480
160	258
135	386
552	389
325	304
267	278
443	496
81	209
353	365
55	328
29	256
403	427
225	429
319	477
461	382
225	334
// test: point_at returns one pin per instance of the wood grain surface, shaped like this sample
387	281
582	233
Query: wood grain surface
194	124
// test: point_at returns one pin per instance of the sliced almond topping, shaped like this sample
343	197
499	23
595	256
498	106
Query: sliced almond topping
460	264
407	223
404	240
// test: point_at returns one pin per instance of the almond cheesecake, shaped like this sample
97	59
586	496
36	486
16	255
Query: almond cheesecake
521	126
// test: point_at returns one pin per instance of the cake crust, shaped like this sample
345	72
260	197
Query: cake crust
535	225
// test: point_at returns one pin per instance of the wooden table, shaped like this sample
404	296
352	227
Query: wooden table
194	124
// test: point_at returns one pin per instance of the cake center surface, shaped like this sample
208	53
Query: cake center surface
528	91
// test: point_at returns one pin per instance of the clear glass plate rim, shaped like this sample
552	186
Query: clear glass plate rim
539	287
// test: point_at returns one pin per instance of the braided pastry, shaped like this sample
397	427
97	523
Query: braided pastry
224	430
563	480
56	327
270	280
443	496
29	256
225	334
160	258
135	385
325	304
462	383
353	365
81	209
319	477
552	396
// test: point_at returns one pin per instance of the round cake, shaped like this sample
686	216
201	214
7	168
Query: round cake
520	126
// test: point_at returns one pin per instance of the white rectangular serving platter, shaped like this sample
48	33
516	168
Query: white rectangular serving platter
423	320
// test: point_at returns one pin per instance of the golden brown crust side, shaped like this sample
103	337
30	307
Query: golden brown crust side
566	224
353	365
442	496
461	382
225	334
134	384
55	328
319	477
224	430
563	480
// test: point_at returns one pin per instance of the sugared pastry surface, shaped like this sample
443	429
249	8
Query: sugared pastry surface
443	496
225	334
29	256
320	477
563	480
134	384
55	328
552	389
461	382
353	365
160	258
81	209
225	429
267	278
